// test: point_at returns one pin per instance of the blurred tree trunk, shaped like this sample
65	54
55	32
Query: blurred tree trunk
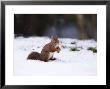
81	23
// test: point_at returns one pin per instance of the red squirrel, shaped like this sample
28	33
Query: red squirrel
47	51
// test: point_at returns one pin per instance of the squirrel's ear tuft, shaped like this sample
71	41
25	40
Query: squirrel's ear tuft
51	37
54	37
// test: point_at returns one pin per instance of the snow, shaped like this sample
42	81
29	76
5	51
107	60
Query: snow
74	63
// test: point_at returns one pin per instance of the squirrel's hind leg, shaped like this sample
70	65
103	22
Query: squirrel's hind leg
52	58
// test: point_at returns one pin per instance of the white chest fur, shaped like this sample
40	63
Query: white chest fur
57	46
50	55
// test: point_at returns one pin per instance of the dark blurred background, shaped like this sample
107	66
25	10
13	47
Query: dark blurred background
80	26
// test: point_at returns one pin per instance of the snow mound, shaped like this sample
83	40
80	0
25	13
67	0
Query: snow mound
81	62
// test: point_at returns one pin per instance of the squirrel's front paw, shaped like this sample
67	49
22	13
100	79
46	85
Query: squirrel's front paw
58	49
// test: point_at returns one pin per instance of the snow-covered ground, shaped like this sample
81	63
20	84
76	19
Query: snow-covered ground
78	63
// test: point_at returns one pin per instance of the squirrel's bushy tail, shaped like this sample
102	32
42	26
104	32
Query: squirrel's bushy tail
34	56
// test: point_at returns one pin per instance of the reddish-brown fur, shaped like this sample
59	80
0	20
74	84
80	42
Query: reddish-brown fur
44	55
